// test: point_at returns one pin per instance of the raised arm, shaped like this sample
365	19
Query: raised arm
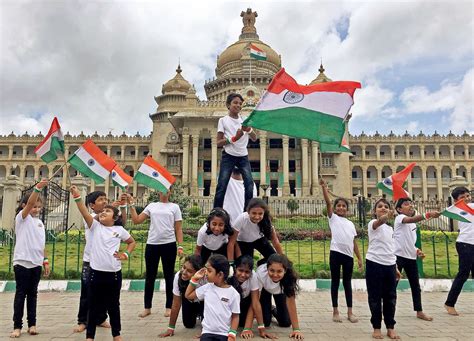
190	293
136	218
33	197
419	217
81	206
324	188
382	220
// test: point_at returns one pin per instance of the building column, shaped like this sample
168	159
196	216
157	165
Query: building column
424	185
364	181
10	152
22	173
36	174
213	164
363	152
315	167
304	167
122	153
185	164
11	194
439	182
65	176
451	152
377	151
25	148
410	185
379	179
392	152
286	175
136	152
263	159
194	168
436	152
407	154
422	152
469	177
109	150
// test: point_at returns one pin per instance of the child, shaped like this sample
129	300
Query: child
278	278
253	230
191	309
233	137
245	282
465	249
213	236
341	254
234	199
105	267
221	301
28	258
165	229
406	251
381	271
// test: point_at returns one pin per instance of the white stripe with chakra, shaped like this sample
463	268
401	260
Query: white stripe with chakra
90	162
154	174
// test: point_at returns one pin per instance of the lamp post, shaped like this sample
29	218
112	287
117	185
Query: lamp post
264	197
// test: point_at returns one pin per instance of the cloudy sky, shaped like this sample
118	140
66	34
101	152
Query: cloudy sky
97	65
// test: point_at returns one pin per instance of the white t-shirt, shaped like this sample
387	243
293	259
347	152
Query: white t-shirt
248	231
229	127
250	285
88	236
210	241
405	238
342	235
234	198
176	291
30	241
381	244
162	219
219	305
106	242
466	230
265	282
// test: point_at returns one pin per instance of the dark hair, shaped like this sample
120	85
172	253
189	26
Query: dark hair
265	224
231	97
377	202
336	201
93	196
24	201
289	282
459	191
117	218
243	260
400	203
196	263
220	264
220	213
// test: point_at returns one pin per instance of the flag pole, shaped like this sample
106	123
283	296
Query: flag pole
250	80
57	171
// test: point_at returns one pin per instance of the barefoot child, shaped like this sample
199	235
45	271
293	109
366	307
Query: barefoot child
277	278
405	238
28	258
191	309
221	301
213	236
341	254
105	264
381	271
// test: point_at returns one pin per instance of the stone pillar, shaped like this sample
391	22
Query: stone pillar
122	153
185	166
451	152
75	216
377	151
213	164
65	176
305	167
314	167
286	175
137	149
439	182
363	152
10	152
11	195
25	149
469	177
194	168
466	152
422	152
392	152
436	152
407	154
379	179
37	171
410	185
364	181
22	173
424	185
263	159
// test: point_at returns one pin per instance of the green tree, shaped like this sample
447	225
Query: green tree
292	205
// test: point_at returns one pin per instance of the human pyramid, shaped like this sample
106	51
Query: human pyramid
219	283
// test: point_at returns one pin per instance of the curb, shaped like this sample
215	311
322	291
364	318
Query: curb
306	285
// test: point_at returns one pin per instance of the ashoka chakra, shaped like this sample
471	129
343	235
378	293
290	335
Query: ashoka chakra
293	97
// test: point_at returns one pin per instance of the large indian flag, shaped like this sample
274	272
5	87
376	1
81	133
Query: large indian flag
393	185
92	162
257	53
314	112
120	178
53	143
343	147
154	175
460	211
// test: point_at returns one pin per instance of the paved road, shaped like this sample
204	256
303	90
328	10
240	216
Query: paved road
57	313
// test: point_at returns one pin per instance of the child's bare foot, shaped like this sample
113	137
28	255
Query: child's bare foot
451	310
377	334
336	317
145	313
391	334
15	333
32	330
352	318
79	328
105	324
421	315
167	312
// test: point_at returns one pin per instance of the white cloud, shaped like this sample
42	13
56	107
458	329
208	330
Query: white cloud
372	101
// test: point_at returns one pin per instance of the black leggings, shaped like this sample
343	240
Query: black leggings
381	287
82	315
336	260
206	253
153	253
262	245
190	311
27	281
282	315
411	270
466	266
104	296
245	304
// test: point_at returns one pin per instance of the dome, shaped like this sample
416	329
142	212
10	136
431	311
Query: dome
176	84
321	78
241	50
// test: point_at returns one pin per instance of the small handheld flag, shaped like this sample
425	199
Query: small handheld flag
154	175
393	185
460	211
257	53
53	143
120	178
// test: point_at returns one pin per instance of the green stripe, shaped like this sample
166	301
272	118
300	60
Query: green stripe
299	122
57	145
384	188
149	182
455	216
256	56
333	148
49	156
117	184
82	168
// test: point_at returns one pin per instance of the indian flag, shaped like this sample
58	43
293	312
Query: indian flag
120	178
154	175
52	144
460	211
257	53
315	112
92	162
333	148
393	185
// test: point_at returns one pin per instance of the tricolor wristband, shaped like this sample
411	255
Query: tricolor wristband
261	326
172	327
123	206
194	282
37	190
127	253
227	141
245	329
77	199
232	332
296	329
427	216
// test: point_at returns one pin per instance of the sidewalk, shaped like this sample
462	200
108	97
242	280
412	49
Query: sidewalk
57	316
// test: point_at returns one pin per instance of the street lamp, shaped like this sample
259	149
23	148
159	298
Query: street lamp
264	197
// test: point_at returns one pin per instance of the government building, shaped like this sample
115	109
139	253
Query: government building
183	139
